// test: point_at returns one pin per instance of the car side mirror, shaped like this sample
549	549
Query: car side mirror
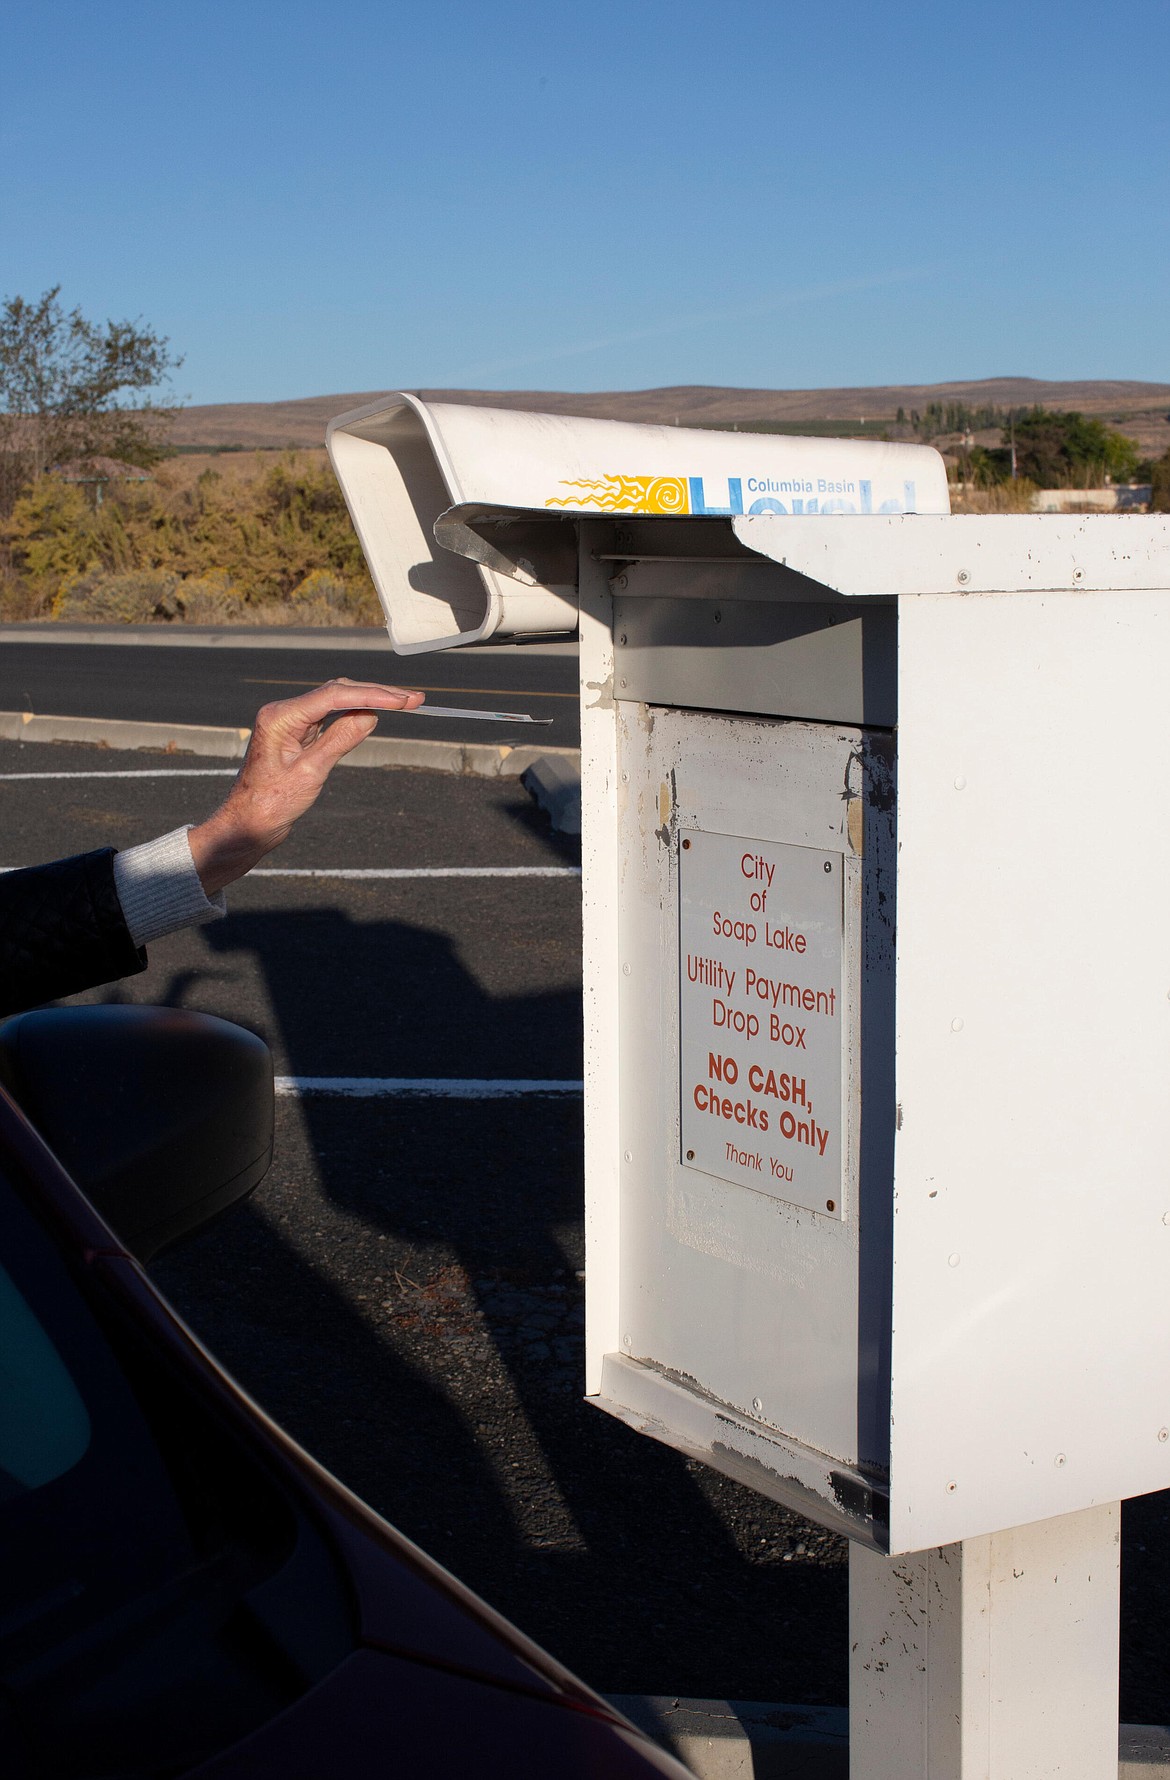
162	1117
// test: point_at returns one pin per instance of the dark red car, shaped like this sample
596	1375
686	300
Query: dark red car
183	1590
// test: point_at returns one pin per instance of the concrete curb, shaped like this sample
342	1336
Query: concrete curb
745	1740
748	1740
479	759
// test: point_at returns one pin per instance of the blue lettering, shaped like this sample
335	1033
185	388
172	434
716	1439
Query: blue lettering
734	495
768	505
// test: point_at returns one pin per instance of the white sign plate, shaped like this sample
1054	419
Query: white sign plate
761	942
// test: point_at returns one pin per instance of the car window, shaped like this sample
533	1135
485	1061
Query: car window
44	1426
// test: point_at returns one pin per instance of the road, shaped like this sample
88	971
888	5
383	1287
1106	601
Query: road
404	1292
224	685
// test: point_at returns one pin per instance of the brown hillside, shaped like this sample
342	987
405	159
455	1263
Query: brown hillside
1142	408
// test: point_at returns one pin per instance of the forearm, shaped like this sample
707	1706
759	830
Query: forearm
62	930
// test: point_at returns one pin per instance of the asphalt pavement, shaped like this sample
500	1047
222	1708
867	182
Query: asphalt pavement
404	1292
226	686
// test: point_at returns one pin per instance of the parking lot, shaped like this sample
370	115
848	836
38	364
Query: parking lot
405	1291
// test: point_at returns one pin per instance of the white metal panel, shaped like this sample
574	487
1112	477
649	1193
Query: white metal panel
752	1299
968	553
1031	1297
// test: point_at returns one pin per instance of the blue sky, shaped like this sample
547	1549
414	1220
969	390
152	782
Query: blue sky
312	199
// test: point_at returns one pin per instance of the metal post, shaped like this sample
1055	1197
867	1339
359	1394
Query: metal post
993	1659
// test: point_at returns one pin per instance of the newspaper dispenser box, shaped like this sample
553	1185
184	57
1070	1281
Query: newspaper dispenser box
877	986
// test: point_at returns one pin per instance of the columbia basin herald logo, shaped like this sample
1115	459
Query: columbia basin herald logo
764	494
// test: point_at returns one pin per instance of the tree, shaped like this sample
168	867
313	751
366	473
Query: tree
1070	450
73	388
1160	484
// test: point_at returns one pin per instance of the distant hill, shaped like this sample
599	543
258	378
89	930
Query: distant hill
1142	409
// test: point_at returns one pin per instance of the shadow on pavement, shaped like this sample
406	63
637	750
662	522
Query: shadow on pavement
404	1295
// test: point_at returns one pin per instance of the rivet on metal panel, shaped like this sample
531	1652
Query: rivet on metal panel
956	1025
686	844
622	581
1078	574
963	577
830	1205
625	778
828	865
626	1342
690	1155
757	1404
625	970
960	782
623	684
622	638
951	1488
1164	1434
952	1260
1059	1460
629	1155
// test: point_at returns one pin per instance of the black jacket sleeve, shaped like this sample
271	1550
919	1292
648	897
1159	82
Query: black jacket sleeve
62	930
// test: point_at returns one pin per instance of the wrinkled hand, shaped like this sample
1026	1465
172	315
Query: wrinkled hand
291	754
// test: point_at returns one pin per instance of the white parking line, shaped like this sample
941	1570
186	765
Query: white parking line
145	772
373	1087
401	871
417	871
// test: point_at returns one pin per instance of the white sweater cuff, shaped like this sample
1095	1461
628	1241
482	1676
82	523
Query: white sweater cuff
159	889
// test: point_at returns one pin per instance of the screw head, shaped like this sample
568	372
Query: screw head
622	638
690	1155
1060	1460
757	1404
717	617
686	844
828	865
1164	1435
964	577
951	1488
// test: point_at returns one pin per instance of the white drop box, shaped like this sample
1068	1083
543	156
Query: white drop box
929	1296
877	950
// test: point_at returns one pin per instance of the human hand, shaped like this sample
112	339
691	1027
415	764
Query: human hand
290	756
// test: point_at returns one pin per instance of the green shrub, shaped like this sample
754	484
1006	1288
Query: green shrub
273	548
